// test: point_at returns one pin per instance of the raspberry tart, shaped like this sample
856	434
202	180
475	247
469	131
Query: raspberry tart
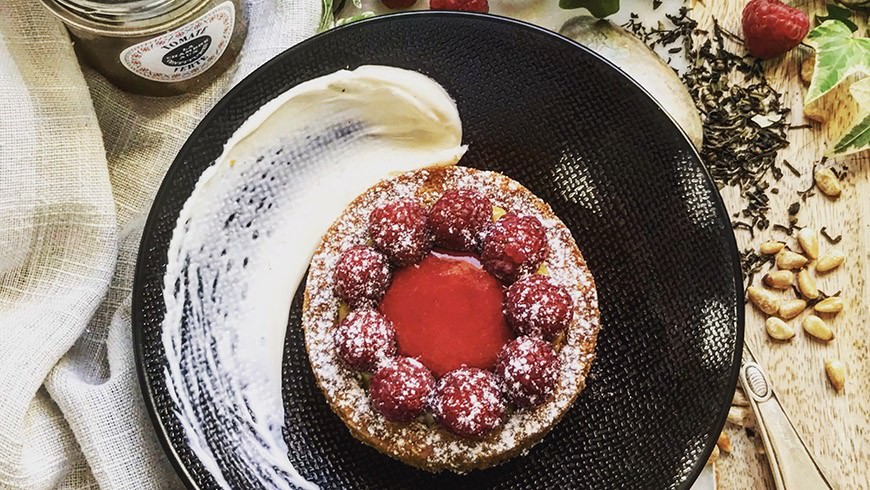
450	319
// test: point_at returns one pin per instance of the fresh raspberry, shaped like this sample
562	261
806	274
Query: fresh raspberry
362	274
458	219
528	368
363	338
468	402
770	27
398	4
400	388
514	246
538	307
401	230
467	5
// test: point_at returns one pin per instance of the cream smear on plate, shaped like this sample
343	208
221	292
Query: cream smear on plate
245	237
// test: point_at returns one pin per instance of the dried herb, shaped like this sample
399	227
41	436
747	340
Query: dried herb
832	240
744	118
744	225
751	263
788	165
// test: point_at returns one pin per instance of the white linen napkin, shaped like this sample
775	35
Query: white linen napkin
80	162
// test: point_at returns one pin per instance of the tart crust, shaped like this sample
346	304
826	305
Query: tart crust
426	445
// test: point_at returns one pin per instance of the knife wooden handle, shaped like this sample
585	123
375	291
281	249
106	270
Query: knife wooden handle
791	463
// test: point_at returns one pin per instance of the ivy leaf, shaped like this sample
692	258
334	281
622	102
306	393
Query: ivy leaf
857	138
598	8
838	55
353	18
836	12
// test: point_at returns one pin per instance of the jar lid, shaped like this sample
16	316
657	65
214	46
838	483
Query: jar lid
118	12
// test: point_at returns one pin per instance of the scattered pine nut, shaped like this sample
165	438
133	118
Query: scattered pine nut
808	239
817	327
807	284
830	261
836	372
765	300
787	259
791	308
828	183
724	442
779	279
834	304
778	329
771	247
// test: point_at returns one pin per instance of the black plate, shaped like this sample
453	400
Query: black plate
585	138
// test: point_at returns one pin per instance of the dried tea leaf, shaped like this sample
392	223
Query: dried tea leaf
838	55
857	137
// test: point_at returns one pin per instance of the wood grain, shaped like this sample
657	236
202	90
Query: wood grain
836	426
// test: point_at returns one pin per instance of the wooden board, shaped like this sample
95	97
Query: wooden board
836	426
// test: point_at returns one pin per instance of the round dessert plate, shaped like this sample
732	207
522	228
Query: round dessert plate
617	171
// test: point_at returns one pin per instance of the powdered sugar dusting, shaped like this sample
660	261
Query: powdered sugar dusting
468	401
430	446
528	369
364	338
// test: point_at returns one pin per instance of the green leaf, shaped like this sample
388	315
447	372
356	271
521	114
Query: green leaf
598	8
838	55
353	18
836	12
856	138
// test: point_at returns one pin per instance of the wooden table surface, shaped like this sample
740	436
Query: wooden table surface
836	426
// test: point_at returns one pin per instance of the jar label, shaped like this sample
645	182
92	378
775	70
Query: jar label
185	52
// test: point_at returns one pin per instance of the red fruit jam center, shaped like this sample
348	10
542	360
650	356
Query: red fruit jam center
447	312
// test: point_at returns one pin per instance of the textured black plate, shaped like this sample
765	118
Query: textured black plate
620	174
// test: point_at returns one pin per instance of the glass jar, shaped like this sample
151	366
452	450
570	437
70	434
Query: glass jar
155	47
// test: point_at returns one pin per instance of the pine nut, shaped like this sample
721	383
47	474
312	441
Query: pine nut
834	304
817	327
830	261
771	247
808	239
791	308
497	213
779	279
790	260
778	329
765	300
724	442
828	183
807	284
836	372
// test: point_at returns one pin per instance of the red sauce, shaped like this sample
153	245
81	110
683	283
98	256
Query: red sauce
447	312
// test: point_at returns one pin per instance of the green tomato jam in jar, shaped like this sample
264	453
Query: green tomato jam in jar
155	47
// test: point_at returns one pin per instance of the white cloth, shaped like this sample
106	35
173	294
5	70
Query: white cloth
80	162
